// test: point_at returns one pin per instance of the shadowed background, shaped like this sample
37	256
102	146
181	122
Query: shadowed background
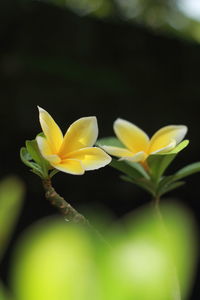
77	61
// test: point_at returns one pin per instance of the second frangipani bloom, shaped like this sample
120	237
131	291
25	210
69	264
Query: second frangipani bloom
74	152
138	146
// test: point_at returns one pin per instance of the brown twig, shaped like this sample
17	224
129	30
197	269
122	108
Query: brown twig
70	213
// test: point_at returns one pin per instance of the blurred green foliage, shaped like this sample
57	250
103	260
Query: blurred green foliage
147	259
3	294
164	15
11	196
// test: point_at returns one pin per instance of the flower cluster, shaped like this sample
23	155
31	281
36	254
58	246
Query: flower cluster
141	159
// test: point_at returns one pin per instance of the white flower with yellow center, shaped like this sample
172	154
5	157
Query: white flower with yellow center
72	153
138	146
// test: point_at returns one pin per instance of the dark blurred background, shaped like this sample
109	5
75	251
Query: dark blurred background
134	59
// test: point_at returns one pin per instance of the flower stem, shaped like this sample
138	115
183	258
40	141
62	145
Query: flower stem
157	208
70	213
176	294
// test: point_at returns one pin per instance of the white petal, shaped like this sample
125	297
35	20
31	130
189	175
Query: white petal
163	137
138	157
166	149
117	151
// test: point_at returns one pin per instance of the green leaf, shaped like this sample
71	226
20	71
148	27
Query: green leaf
31	157
11	196
25	157
127	179
132	170
158	163
110	141
34	151
143	183
38	173
54	172
171	182
138	167
187	171
164	183
27	160
180	147
170	187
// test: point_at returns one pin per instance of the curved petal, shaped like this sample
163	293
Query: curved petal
131	136
92	158
166	149
70	166
138	157
117	151
46	151
164	137
51	130
82	133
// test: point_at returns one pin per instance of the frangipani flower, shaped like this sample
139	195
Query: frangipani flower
72	153
138	146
